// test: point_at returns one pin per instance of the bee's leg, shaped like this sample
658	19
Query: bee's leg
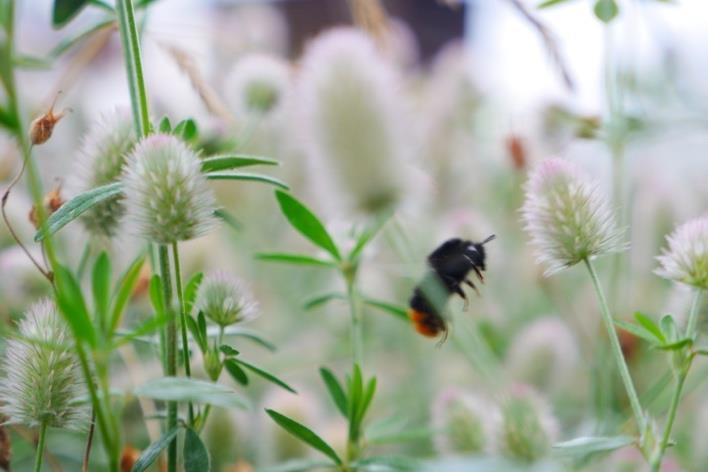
479	273
469	282
460	292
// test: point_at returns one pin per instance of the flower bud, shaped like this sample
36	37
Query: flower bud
212	365
42	127
686	259
465	423
225	300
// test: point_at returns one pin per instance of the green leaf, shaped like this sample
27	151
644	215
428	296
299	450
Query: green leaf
190	291
75	207
149	326
72	305
606	10
124	290
182	389
101	287
298	465
228	350
249	334
702	351
229	219
335	390
236	372
368	397
379	463
591	444
550	3
72	41
636	330
65	10
186	129
201	324
676	345
366	236
153	451
398	311
318	300
669	328
24	61
196	334
297	259
306	223
266	375
196	457
156	294
233	161
650	326
228	175
305	434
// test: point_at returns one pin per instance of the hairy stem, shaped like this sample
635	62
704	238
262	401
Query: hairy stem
617	349
171	341
40	447
183	323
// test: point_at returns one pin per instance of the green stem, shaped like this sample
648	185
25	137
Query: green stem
40	447
617	349
355	312
183	322
83	262
680	380
171	341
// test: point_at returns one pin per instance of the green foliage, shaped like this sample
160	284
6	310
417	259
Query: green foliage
153	451
606	10
223	175
101	286
65	10
228	162
335	391
297	259
196	456
72	305
592	444
182	389
124	290
305	434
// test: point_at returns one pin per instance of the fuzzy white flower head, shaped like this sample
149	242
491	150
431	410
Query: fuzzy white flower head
686	259
101	158
167	196
528	428
465	423
567	217
352	118
43	379
257	86
225	299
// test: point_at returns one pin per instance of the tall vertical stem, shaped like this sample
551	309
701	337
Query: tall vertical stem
617	349
183	323
357	333
171	341
40	447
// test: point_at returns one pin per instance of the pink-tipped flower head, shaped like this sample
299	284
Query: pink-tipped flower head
225	299
686	259
567	217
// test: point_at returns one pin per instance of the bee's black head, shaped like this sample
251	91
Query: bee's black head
476	252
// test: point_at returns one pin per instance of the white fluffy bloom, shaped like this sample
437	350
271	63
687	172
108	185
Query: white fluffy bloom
686	259
465	423
257	86
353	119
42	375
101	158
167	196
225	299
567	217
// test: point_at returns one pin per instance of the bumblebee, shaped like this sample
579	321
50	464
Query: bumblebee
448	268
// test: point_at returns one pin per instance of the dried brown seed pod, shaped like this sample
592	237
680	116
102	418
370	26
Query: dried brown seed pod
42	127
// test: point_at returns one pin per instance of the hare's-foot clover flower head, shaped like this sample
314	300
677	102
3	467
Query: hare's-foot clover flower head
465	423
257	85
101	158
167	196
225	300
567	217
686	259
42	375
528	428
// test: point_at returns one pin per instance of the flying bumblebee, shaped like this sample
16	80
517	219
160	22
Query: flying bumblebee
448	268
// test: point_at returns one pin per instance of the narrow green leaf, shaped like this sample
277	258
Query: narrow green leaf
335	390
236	372
228	350
230	220
196	334
249	334
164	126
156	300
266	375
318	300
368	397
75	207
186	129
676	345
591	444
196	456
297	259
201	323
72	41
72	305
153	451
550	3
233	161
384	463
190	291
124	290
306	223
367	236
298	465
101	287
149	326
606	10
669	328
650	326
637	330
65	10
229	175
356	393
24	61
182	389
398	311
305	434
702	351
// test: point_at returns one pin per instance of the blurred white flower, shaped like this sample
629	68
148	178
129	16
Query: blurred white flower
567	217
686	259
544	354
225	299
257	86
43	379
353	120
167	196
464	423
528	428
103	152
